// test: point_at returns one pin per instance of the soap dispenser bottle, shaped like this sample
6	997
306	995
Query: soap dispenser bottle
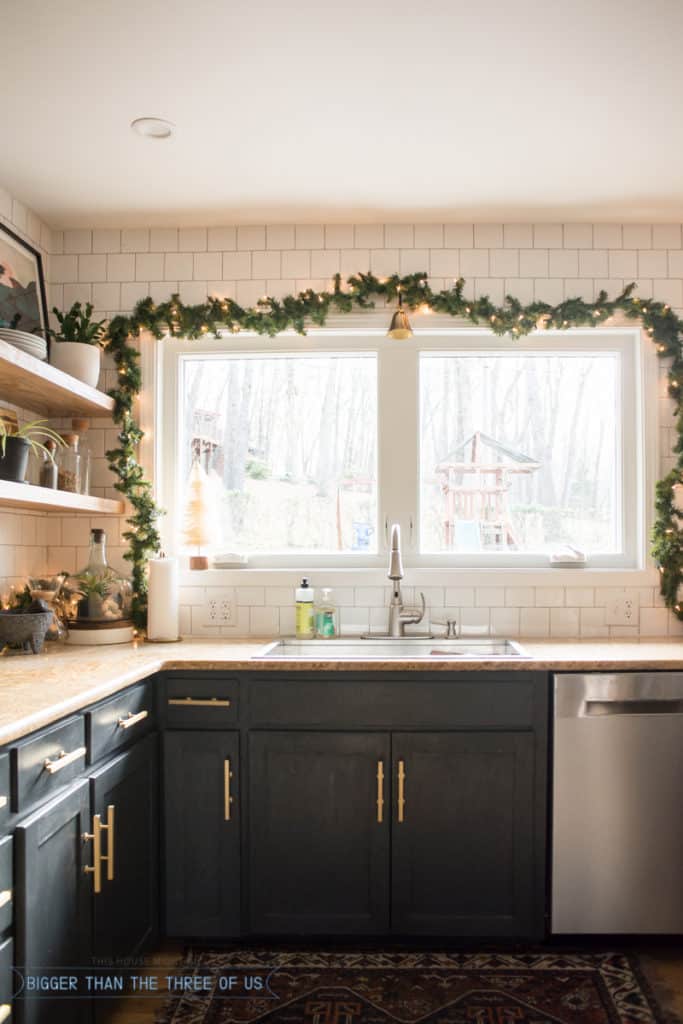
326	616
305	618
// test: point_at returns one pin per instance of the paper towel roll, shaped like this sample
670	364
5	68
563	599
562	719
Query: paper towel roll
162	611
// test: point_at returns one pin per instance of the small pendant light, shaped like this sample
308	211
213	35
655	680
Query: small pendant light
399	328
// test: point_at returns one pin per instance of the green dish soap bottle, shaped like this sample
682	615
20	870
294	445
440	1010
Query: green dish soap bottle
305	618
326	617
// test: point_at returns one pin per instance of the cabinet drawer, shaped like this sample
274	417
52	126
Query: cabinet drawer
114	723
206	701
6	980
4	789
45	762
6	884
457	701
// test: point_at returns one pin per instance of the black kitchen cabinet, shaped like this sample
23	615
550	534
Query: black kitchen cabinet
318	832
125	911
464	851
54	900
202	833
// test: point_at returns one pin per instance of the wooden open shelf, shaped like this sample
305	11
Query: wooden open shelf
44	499
33	384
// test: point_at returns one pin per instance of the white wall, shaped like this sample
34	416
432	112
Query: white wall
114	268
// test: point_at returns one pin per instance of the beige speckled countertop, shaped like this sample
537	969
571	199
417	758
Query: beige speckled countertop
37	690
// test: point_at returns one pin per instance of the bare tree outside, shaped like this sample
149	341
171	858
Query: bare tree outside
519	451
290	442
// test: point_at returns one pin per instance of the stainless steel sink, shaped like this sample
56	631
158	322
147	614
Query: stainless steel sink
404	649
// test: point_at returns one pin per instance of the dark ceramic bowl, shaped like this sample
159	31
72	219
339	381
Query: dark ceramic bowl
25	630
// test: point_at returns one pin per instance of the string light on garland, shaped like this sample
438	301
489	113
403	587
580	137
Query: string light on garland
272	316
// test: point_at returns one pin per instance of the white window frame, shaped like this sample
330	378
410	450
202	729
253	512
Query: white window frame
398	435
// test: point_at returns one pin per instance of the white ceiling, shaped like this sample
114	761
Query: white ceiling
354	111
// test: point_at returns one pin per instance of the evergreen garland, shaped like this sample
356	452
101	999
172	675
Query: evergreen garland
271	316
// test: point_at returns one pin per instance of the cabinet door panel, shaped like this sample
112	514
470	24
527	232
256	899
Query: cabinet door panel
463	857
318	856
125	911
202	846
54	900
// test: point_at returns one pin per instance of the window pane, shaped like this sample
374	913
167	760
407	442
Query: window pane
520	452
290	442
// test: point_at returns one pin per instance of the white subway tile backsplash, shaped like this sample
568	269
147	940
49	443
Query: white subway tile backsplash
548	236
458	236
565	622
296	263
505	622
264	621
309	236
428	236
534	622
549	597
518	236
654	621
250	238
137	240
593	622
490	597
578	236
337	236
370	597
636	236
163	240
117	267
223	238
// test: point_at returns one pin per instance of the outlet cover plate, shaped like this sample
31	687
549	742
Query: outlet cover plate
220	606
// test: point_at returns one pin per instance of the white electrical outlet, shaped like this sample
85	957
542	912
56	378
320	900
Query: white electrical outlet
623	609
221	609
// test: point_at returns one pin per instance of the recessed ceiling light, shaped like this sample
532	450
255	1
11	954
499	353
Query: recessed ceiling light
152	127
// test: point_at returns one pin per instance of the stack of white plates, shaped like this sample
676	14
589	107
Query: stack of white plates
29	343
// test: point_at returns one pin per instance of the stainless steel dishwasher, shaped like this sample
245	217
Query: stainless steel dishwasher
617	855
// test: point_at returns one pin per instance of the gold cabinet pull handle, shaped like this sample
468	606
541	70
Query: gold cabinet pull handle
96	869
200	702
62	760
5	897
131	719
401	791
109	828
380	792
227	776
5	1012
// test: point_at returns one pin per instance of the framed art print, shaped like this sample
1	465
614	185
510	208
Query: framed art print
22	285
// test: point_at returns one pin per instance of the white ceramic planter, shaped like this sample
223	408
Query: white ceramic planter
81	361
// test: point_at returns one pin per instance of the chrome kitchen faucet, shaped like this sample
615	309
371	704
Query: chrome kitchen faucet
400	615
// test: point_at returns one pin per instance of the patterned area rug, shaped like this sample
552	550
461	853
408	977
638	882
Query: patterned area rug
313	987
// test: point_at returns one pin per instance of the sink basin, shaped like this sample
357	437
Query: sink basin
405	649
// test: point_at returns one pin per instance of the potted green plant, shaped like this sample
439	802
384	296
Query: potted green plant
17	442
77	348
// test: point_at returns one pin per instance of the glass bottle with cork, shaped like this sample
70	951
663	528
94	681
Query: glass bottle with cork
69	465
81	427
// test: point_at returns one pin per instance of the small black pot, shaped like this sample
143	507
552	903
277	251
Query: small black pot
15	460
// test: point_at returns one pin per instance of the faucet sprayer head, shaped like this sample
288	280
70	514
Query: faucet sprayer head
395	563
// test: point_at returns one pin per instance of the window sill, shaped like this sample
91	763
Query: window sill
425	577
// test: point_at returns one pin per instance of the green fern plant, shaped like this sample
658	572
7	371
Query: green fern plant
31	432
77	325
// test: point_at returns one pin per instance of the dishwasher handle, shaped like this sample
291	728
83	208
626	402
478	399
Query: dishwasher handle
596	708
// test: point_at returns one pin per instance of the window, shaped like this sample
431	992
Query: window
290	441
520	452
488	452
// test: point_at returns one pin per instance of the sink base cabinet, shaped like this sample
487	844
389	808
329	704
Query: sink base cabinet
464	860
202	833
318	842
